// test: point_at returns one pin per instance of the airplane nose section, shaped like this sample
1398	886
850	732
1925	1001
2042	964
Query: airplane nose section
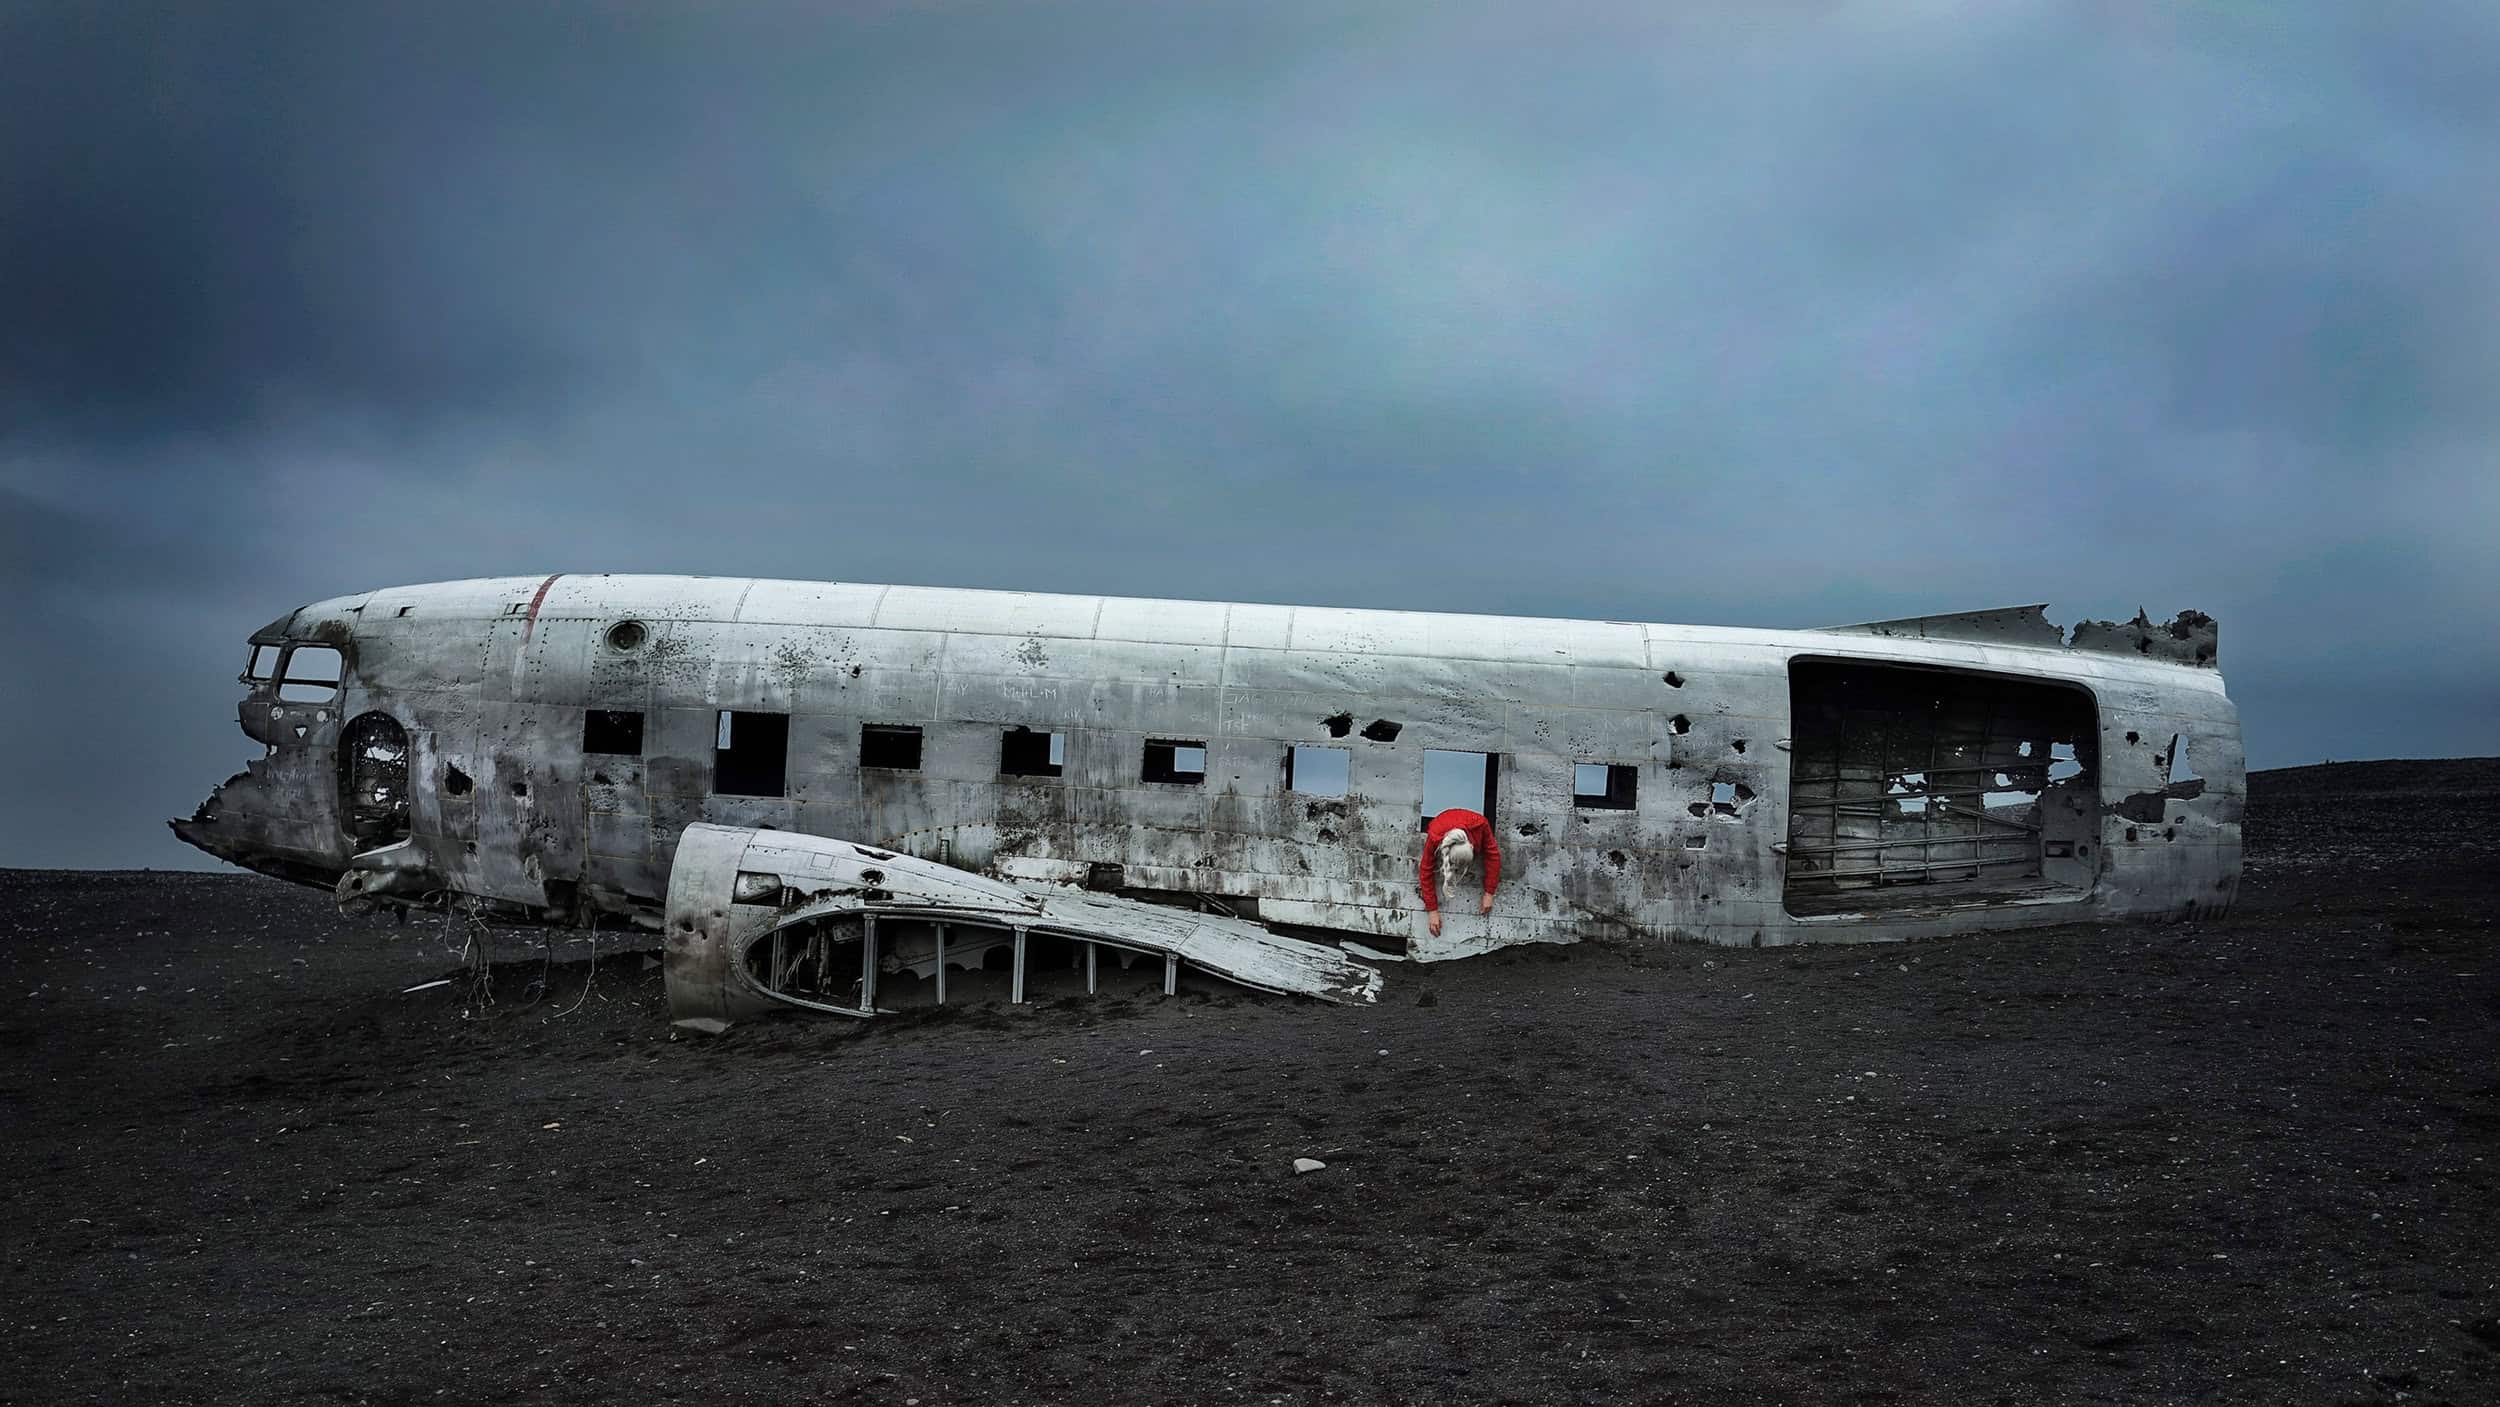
200	831
227	826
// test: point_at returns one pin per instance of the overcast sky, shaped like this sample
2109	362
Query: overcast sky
1746	313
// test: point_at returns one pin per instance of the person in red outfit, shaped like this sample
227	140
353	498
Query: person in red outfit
1457	843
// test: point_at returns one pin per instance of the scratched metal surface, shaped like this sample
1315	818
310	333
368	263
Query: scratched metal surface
491	678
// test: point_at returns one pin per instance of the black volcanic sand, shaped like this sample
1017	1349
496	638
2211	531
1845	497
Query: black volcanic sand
2255	1160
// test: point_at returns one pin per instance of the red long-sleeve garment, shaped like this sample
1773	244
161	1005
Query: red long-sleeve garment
1479	834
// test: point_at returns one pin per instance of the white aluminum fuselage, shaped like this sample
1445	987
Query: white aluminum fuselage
490	682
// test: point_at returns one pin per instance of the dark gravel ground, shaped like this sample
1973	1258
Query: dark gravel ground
2255	1160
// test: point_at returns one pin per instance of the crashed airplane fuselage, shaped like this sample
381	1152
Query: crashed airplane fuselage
1011	768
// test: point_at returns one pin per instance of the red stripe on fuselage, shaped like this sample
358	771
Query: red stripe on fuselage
535	602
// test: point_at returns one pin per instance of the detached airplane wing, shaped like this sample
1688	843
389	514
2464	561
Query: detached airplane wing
762	920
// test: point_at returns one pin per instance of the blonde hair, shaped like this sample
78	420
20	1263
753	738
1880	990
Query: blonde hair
1458	858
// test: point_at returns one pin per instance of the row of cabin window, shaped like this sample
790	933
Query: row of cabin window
751	753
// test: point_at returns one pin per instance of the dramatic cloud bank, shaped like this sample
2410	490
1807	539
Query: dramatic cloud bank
1782	315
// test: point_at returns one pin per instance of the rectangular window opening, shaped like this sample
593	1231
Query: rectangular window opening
616	732
1171	760
1025	753
1319	771
892	746
1917	786
311	675
751	754
1605	786
264	664
1465	780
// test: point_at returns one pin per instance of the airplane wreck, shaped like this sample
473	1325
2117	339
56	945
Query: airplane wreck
837	797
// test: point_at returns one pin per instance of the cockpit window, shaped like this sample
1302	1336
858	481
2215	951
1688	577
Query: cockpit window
312	675
264	663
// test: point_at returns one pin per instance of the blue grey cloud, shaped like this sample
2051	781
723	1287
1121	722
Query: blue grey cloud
1775	315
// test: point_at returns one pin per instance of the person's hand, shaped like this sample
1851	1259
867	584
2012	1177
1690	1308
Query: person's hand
1432	920
1487	906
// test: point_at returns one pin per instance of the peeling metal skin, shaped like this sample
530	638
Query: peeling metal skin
541	745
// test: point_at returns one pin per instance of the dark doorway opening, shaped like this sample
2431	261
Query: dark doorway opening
1916	786
373	781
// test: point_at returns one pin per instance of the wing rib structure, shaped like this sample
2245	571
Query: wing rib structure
760	921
